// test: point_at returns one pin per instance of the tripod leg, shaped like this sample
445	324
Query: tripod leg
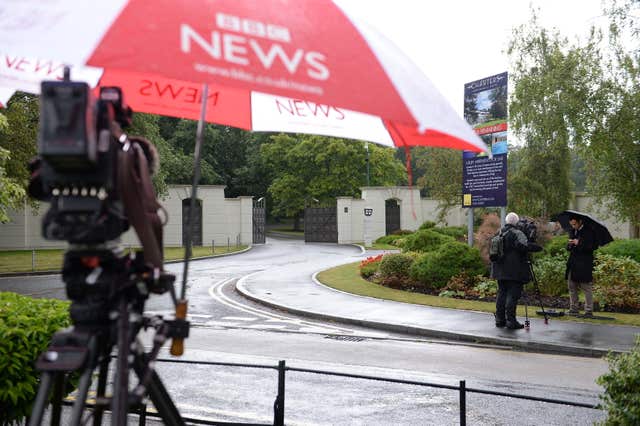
538	293
102	386
40	404
159	395
81	398
56	403
120	403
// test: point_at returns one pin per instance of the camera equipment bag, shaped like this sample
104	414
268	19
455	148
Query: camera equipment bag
496	246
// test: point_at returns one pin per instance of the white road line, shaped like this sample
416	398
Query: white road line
266	327
216	292
239	318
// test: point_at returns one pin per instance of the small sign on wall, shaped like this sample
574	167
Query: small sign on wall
368	212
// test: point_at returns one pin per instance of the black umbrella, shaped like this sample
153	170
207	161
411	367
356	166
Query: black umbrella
602	235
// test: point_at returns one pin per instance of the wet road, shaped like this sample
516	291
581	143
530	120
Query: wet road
228	328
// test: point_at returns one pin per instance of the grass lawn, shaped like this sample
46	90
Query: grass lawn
378	246
51	259
347	278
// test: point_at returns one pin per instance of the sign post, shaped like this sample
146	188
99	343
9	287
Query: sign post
484	179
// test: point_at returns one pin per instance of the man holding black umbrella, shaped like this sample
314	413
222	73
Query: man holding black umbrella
579	272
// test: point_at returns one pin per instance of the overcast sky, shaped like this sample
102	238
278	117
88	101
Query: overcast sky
455	42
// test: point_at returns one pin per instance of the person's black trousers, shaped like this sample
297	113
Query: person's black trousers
507	300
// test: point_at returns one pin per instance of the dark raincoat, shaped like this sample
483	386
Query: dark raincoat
514	266
580	262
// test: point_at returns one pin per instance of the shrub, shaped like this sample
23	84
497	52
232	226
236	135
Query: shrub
425	240
550	271
389	239
427	225
434	269
26	327
621	398
556	246
488	227
395	265
370	265
486	287
618	298
622	248
617	283
610	271
457	232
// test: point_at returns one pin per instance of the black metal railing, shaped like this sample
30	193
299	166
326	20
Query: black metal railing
279	403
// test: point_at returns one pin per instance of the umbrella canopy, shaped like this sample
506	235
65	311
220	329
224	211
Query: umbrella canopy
311	55
602	235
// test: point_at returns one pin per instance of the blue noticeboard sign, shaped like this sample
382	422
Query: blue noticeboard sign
484	180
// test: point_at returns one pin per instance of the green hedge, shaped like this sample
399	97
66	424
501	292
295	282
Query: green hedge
427	225
457	232
395	265
621	384
557	246
622	248
617	283
434	269
26	326
425	240
550	271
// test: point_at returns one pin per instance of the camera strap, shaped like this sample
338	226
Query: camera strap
139	198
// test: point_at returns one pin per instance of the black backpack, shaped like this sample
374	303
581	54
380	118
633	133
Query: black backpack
497	246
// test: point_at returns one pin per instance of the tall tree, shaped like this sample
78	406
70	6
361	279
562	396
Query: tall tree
19	135
307	167
11	192
551	109
612	155
441	176
181	143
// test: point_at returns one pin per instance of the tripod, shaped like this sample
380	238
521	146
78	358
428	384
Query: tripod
108	292
536	287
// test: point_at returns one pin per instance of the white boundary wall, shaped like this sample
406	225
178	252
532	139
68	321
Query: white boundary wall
222	219
351	213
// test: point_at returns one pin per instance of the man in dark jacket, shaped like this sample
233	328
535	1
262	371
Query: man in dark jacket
512	272
579	272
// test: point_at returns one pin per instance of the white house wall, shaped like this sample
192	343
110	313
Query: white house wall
222	219
351	230
586	204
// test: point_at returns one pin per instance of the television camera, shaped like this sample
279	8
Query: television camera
97	180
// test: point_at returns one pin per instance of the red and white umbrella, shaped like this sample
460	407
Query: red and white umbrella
279	65
284	65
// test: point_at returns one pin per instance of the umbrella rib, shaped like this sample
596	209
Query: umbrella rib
194	189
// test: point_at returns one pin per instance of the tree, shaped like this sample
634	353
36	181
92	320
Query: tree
19	136
612	155
441	178
177	151
306	167
552	108
11	192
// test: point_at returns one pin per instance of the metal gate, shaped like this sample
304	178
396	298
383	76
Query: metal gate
321	225
196	235
392	216
259	220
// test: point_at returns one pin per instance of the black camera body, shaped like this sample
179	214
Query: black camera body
528	228
77	165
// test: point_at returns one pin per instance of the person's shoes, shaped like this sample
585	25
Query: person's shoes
501	324
514	325
588	315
